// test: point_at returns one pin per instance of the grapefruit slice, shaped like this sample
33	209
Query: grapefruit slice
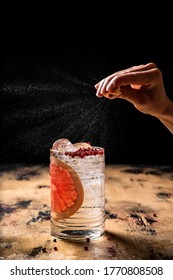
67	192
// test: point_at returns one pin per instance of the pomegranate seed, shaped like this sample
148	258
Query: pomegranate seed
86	248
82	152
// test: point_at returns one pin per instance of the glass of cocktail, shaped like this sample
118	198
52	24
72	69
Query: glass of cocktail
77	181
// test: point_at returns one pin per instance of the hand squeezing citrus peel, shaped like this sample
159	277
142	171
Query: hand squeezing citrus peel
67	192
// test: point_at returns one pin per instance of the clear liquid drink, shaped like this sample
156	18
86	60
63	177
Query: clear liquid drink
85	168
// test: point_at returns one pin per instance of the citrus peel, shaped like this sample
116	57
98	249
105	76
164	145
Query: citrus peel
80	145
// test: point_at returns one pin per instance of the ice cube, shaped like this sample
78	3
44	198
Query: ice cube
63	145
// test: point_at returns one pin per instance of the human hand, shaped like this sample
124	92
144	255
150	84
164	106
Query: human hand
141	85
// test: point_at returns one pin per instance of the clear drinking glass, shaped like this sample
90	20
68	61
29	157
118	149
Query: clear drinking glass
88	221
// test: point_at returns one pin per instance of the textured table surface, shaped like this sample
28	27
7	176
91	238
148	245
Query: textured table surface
139	215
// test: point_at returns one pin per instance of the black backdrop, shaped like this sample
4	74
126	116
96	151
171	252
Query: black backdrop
47	90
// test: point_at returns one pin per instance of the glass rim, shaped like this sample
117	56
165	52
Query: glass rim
63	152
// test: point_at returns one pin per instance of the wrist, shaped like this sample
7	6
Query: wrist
167	112
166	117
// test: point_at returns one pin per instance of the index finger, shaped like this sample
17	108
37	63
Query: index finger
144	78
132	69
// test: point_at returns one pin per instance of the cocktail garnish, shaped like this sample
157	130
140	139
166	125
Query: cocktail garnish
67	192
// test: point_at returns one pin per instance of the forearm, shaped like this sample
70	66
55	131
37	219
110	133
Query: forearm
167	116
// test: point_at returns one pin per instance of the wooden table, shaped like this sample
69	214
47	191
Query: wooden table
139	215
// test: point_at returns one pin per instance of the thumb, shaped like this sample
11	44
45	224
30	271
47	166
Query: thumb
132	95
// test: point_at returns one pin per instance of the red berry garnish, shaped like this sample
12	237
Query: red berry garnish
86	248
82	152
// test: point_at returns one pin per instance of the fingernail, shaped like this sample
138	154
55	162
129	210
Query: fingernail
99	95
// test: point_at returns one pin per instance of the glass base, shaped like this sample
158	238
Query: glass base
76	235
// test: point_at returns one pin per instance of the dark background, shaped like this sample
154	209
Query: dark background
51	59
